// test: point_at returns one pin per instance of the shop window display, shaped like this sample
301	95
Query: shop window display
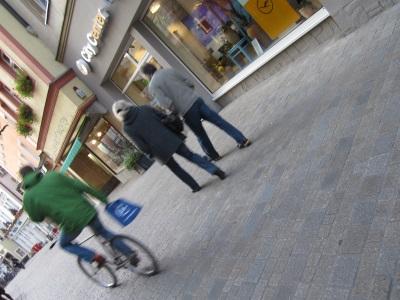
128	77
216	39
108	145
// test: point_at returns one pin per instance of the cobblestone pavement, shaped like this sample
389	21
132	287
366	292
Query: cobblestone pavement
309	211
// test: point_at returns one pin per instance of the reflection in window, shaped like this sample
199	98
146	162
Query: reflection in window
124	71
216	39
128	77
39	8
108	145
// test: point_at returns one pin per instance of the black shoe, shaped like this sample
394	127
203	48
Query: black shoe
197	189
134	260
221	174
244	144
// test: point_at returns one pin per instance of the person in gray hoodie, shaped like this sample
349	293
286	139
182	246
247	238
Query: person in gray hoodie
175	92
143	125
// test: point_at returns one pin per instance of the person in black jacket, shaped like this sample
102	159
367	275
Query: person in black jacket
144	127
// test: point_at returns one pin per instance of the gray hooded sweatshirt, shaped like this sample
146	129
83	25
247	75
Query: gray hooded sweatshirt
173	91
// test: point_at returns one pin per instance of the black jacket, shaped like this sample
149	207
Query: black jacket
144	127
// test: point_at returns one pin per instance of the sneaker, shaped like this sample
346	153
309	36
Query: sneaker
221	174
244	144
100	260
134	259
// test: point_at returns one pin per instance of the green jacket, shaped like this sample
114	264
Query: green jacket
59	198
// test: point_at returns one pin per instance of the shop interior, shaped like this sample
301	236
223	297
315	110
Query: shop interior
216	39
128	77
101	156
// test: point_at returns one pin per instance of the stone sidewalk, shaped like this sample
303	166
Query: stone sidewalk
309	211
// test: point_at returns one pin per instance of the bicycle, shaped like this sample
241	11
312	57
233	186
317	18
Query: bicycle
105	275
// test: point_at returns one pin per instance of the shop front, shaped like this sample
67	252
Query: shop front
221	41
96	154
217	43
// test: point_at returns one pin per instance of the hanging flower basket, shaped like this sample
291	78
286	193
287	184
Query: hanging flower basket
23	84
25	114
25	119
24	129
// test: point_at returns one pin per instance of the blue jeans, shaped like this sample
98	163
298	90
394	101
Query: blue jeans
85	253
199	111
200	161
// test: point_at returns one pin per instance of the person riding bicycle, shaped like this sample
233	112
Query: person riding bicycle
61	199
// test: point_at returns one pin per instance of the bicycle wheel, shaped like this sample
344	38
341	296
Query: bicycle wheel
147	264
103	276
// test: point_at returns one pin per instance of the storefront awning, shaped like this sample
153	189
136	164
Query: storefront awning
76	146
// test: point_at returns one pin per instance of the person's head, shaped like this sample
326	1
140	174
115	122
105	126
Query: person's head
120	109
149	70
25	170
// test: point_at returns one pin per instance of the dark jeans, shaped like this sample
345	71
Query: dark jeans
194	158
199	111
85	253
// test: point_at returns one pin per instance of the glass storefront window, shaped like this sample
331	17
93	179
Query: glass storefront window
216	39
108	145
128	77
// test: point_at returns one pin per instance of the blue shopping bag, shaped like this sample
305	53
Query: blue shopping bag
122	211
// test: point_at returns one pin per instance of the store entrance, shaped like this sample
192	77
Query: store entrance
129	78
89	169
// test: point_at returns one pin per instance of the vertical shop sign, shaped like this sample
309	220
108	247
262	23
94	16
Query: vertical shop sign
273	16
93	40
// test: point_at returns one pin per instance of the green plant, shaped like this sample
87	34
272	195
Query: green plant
23	128
25	114
131	158
23	84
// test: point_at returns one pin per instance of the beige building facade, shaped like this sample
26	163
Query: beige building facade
55	105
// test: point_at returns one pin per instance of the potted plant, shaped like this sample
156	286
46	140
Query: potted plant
131	158
25	114
25	119
23	128
23	84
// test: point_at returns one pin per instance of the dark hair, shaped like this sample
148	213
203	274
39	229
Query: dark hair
149	69
25	170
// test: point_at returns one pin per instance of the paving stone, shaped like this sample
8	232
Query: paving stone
295	268
255	271
388	257
344	272
324	170
382	286
354	240
324	270
217	288
371	186
285	292
363	212
335	294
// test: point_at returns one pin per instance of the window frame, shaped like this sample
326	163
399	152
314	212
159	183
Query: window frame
147	57
9	64
35	6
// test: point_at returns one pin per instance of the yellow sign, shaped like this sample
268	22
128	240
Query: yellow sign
273	16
